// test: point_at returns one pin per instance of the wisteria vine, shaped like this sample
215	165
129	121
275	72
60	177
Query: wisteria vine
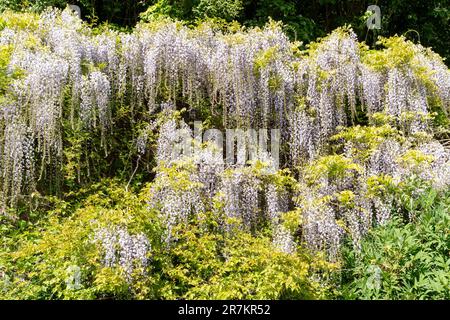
250	79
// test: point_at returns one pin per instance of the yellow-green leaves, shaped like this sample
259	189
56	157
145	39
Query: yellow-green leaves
332	167
264	57
22	21
414	159
399	52
379	185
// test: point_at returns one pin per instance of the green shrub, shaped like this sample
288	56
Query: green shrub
57	258
404	260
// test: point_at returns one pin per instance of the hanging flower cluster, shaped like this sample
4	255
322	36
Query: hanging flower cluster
94	106
186	186
17	161
129	252
284	241
347	194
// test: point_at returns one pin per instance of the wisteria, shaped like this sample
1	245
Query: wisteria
175	200
71	77
17	161
277	202
321	230
94	106
284	241
129	252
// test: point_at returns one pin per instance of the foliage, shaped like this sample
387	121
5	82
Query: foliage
425	22
68	258
39	267
123	13
108	193
404	260
227	10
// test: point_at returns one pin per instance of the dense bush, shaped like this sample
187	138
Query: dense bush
98	202
404	260
110	247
